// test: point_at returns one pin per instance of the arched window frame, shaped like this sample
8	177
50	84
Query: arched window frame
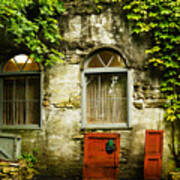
103	70
18	74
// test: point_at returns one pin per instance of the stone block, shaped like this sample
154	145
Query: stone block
64	82
74	29
157	103
139	104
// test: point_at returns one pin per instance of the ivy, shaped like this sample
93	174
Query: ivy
34	25
161	19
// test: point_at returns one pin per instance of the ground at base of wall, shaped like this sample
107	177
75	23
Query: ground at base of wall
174	176
55	178
60	178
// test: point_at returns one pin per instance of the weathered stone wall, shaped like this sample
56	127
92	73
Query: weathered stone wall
60	141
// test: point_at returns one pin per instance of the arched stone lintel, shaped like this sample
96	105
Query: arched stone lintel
93	51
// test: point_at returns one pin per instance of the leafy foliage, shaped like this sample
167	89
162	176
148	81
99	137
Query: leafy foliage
33	24
30	158
28	163
161	19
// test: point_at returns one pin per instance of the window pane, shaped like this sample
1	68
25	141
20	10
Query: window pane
31	66
117	62
95	62
11	66
21	63
21	100
106	59
107	98
32	97
92	99
7	103
106	56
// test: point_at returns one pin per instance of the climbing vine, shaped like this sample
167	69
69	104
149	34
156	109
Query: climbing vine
160	19
33	25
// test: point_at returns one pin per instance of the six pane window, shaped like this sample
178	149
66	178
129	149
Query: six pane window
20	98
105	91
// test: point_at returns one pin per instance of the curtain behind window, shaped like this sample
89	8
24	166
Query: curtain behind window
106	98
21	103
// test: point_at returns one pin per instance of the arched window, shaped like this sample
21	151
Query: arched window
105	91
20	93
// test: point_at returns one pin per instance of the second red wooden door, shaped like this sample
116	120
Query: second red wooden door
153	154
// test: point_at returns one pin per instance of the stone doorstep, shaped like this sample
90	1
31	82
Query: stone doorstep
58	178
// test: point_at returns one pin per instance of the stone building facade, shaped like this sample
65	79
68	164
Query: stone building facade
60	139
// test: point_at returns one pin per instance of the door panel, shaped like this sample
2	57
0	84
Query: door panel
153	154
152	167
100	162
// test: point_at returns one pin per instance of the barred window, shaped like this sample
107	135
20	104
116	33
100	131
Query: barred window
20	93
105	91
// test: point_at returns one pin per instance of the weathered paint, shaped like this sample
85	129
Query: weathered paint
98	162
153	155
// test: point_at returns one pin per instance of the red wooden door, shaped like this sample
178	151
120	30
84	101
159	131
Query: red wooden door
153	154
98	162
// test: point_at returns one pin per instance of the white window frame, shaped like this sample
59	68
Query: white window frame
104	70
20	73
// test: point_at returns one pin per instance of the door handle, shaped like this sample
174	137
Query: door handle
110	146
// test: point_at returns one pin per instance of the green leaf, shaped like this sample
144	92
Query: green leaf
134	16
153	50
165	12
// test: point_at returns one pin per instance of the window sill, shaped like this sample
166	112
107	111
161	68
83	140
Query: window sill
106	127
22	127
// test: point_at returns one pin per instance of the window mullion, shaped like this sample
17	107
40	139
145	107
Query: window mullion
1	101
26	101
101	60
99	94
14	102
110	61
114	102
8	105
24	64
